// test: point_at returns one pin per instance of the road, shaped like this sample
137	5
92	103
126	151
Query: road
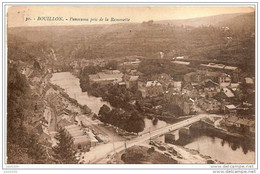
99	153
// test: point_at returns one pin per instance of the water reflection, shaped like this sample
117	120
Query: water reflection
150	127
71	85
223	148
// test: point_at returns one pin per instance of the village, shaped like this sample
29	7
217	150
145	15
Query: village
212	88
208	89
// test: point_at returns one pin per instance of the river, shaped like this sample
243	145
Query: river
71	85
219	146
222	150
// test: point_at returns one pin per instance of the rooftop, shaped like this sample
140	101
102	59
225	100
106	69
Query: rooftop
133	78
224	75
74	130
231	106
228	92
179	57
81	139
153	83
230	68
64	122
181	62
249	80
213	65
219	66
103	76
210	83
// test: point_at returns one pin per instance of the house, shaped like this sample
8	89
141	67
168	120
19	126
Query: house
234	86
245	125
228	93
102	138
245	110
206	74
177	85
81	139
150	88
249	85
130	64
135	62
191	89
185	103
188	107
249	81
93	140
106	77
131	81
213	66
164	79
225	97
224	80
181	62
81	142
210	88
133	72
63	123
241	124
230	109
230	121
233	71
122	84
179	57
210	105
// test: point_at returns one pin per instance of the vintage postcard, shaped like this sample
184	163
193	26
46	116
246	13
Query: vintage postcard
130	84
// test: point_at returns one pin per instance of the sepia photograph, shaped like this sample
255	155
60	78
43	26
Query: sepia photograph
130	84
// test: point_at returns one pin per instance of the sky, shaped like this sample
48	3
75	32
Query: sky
17	15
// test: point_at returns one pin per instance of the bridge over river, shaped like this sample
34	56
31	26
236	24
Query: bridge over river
99	153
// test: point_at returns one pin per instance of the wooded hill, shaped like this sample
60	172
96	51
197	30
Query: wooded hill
229	38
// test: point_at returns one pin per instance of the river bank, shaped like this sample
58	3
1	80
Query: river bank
68	87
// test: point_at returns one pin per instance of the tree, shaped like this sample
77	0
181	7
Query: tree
150	150
103	111
18	90
86	109
111	65
17	154
155	121
36	151
135	123
64	151
22	146
36	65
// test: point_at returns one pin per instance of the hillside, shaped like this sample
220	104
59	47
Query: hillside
202	21
229	20
230	39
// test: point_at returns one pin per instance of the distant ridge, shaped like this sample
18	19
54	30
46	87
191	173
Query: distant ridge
204	21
